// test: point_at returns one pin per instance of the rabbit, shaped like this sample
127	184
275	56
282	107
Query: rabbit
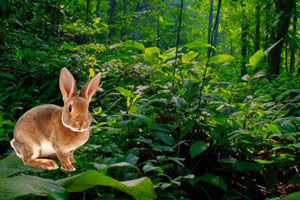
50	131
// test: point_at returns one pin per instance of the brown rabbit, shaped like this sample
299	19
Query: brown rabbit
50	131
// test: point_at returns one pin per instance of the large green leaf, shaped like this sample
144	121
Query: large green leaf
256	57
126	93
199	45
247	166
140	189
151	55
197	148
165	138
222	58
142	118
17	186
273	128
186	58
12	164
188	126
132	44
214	180
293	196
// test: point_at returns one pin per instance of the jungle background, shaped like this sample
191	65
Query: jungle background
198	99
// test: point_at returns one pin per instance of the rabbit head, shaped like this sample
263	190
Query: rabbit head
75	114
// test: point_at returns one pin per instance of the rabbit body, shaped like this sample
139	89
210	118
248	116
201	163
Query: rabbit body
50	131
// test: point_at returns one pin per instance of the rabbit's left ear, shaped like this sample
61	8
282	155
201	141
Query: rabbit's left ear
90	88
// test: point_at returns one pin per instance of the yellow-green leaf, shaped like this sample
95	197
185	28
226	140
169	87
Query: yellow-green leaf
186	58
256	57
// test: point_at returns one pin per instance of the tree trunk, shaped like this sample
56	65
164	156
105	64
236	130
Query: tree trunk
97	8
257	29
280	31
292	59
111	16
286	57
216	34
268	25
158	26
244	42
87	10
210	22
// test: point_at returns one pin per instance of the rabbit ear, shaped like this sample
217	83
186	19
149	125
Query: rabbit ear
67	84
90	88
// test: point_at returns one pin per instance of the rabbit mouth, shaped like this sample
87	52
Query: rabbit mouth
73	128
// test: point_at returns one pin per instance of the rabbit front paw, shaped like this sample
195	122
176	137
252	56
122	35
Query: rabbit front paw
72	160
68	167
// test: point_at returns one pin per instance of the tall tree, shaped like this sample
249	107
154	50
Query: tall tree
292	59
216	33
97	12
257	29
283	8
111	17
87	11
244	41
210	21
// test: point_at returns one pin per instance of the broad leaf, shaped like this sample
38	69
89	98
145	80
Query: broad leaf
17	186
214	180
247	166
12	164
186	58
188	126
197	148
165	138
256	57
124	92
222	58
293	196
140	189
132	44
151	55
199	45
273	128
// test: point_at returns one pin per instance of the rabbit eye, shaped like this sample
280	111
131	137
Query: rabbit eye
70	108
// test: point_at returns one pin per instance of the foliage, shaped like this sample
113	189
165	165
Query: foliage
234	135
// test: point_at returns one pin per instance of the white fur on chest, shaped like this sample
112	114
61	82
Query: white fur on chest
46	149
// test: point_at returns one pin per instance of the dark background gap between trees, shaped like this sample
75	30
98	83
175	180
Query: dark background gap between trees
231	135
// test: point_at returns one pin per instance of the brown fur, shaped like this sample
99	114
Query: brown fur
40	133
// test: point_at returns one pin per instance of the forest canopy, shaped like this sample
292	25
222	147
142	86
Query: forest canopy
197	100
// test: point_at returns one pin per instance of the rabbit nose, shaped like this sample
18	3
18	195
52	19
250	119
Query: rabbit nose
78	124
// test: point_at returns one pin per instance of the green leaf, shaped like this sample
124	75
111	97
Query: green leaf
273	128
17	186
132	44
221	58
126	93
247	166
198	45
188	126
151	55
197	148
293	196
214	180
12	164
256	57
140	189
186	58
227	160
142	118
165	138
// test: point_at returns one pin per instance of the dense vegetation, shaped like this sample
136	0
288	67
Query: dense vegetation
200	97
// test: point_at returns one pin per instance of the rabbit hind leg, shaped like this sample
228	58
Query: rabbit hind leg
30	155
